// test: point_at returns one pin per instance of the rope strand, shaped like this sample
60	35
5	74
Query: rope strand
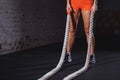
61	61
85	67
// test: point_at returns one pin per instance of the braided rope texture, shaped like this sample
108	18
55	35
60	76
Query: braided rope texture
61	61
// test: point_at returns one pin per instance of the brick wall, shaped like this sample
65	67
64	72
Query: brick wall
27	24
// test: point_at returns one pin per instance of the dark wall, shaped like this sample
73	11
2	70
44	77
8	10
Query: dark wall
111	5
27	24
108	18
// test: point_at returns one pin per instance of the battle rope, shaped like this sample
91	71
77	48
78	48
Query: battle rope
85	67
61	61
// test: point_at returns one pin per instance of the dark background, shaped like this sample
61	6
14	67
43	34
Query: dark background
26	24
32	31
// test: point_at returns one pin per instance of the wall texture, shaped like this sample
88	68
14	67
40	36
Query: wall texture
27	24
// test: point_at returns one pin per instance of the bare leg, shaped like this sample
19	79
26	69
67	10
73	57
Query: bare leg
86	20
73	27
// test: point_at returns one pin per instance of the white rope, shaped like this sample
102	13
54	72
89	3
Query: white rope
61	61
85	67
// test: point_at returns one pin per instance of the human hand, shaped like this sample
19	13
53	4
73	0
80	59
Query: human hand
94	8
68	8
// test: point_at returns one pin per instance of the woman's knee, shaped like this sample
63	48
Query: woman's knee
72	32
87	30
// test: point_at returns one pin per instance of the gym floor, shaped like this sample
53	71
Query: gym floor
34	63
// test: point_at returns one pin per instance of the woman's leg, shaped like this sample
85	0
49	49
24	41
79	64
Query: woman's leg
73	27
86	19
71	36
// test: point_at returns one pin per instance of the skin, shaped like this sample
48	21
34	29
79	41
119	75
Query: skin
74	22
